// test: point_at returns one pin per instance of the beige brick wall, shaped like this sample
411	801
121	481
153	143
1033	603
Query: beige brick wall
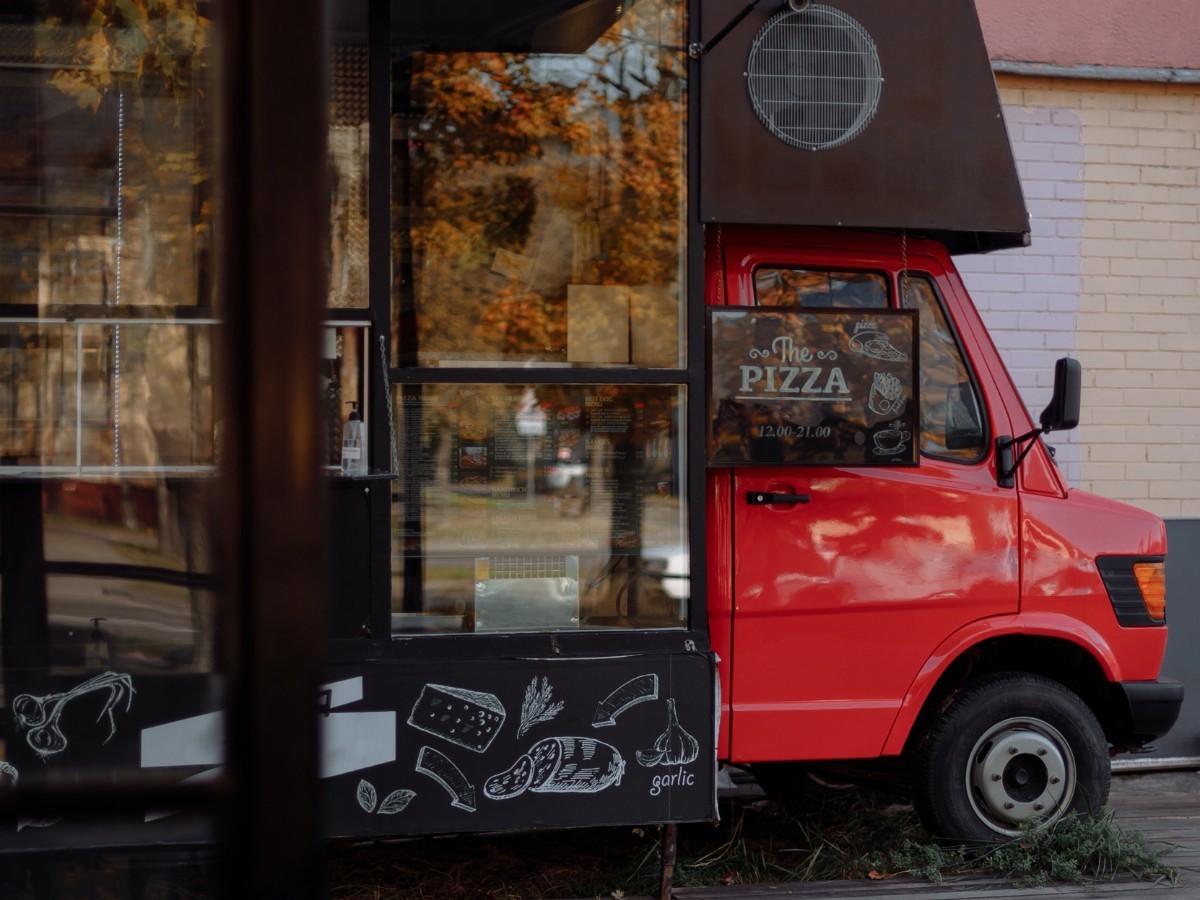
1111	172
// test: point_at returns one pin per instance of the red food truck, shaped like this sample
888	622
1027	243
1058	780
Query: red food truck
685	444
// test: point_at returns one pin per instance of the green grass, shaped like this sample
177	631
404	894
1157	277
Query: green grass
852	838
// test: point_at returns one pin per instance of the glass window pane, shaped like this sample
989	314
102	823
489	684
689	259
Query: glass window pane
106	269
818	288
952	423
540	507
539	200
349	143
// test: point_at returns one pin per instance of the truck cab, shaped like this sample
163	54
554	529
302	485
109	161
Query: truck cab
970	617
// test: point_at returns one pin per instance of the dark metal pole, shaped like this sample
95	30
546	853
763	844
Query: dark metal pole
273	222
670	844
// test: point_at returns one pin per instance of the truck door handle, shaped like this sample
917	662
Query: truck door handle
762	498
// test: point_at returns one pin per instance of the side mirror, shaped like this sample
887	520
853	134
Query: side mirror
1061	415
1063	412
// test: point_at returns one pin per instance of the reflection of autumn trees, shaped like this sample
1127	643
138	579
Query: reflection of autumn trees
570	167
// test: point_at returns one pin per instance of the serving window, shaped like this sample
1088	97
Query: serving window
527	507
538	224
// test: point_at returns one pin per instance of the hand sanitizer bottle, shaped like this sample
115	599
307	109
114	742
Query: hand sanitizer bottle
354	443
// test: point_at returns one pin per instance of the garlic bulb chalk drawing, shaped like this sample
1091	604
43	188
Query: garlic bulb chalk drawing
674	747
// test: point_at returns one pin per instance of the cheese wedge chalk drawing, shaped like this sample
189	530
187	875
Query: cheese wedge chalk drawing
631	693
559	765
470	719
439	767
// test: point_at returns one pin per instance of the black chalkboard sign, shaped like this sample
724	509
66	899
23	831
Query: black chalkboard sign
813	387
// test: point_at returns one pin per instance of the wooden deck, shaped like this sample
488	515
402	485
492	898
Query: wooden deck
1163	806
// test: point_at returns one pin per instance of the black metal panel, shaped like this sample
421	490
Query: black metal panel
539	26
415	748
358	530
935	159
1182	662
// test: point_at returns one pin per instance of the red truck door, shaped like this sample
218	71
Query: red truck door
838	602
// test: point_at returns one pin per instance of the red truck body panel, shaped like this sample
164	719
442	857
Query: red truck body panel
834	619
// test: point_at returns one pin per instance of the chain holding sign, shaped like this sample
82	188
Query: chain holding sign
813	387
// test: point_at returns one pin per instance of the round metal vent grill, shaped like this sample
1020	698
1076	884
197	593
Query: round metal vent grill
814	77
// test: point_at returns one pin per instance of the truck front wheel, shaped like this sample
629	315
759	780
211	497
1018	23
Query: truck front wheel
1011	747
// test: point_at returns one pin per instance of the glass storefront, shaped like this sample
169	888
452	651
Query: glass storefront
506	311
538	223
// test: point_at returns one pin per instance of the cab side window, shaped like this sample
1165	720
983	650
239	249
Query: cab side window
951	414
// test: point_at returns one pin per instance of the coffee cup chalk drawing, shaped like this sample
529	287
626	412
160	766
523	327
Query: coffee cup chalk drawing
891	440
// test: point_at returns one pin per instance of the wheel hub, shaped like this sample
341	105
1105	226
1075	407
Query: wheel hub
1020	769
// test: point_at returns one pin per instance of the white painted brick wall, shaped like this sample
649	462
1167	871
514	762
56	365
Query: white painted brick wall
1029	298
1110	173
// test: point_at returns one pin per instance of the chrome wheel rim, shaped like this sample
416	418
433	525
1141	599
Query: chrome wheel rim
1019	770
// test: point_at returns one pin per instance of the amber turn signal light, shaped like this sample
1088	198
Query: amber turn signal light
1152	581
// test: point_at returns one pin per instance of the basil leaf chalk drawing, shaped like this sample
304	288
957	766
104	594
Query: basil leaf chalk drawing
631	693
396	802
393	803
537	707
367	797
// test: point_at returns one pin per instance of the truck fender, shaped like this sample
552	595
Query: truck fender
1041	624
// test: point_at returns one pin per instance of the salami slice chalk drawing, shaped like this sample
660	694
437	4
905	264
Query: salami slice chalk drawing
559	765
41	714
470	719
631	693
441	769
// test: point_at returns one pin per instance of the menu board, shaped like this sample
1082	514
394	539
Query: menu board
813	387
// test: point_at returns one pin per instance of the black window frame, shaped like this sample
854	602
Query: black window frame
691	376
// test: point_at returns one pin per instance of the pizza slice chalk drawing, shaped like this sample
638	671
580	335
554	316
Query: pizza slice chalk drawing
470	719
631	693
876	345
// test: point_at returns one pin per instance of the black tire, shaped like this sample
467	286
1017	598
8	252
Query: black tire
1011	747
